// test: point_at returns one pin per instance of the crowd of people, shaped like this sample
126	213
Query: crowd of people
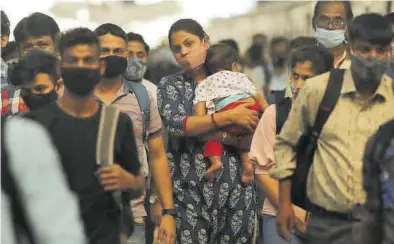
104	142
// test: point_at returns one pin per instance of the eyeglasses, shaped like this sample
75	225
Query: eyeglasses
325	22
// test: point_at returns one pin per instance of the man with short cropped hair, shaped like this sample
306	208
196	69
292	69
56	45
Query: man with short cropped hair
73	123
116	88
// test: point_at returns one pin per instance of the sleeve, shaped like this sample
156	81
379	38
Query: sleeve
155	124
246	85
370	223
171	107
201	93
129	153
262	148
44	196
295	126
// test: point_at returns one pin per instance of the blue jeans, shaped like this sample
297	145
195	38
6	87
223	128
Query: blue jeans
271	236
138	236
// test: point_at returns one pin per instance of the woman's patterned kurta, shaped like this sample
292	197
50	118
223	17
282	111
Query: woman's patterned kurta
223	211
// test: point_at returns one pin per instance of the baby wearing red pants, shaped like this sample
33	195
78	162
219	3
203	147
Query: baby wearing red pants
224	89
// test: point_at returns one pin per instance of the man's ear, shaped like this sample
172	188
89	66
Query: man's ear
59	87
207	41
235	67
4	40
102	67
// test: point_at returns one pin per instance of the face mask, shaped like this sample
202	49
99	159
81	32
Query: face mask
294	89
135	69
35	101
80	81
330	38
196	58
114	66
369	71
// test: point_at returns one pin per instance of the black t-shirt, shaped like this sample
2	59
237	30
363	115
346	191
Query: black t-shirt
75	139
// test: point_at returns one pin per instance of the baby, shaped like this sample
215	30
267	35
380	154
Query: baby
223	90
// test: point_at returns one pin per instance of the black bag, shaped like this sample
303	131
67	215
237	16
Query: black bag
307	144
21	226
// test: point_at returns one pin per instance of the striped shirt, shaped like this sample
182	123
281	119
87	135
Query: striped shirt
127	102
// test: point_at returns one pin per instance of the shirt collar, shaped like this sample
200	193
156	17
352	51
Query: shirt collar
383	90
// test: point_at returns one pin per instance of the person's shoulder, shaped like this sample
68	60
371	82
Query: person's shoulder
317	83
19	129
149	85
43	114
172	79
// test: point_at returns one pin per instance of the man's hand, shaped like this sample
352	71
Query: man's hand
244	117
114	177
166	233
285	220
156	213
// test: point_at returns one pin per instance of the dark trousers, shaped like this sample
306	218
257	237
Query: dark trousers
149	225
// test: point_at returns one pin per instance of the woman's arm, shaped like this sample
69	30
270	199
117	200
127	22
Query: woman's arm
178	123
200	109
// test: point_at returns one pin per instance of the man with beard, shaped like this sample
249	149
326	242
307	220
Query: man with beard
73	123
35	31
116	88
365	101
37	73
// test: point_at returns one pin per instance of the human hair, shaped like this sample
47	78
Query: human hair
36	25
35	62
390	17
188	25
279	40
5	24
231	43
131	36
220	57
372	28
346	4
111	29
321	59
78	36
302	41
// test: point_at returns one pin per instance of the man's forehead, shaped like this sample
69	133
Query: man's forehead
82	50
111	41
34	39
332	10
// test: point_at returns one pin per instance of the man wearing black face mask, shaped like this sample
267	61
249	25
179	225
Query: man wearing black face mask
37	73
73	123
279	52
365	101
115	88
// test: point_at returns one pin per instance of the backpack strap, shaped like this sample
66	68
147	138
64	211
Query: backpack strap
282	112
105	157
142	95
330	99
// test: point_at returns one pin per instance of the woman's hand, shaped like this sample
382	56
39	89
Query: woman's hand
244	117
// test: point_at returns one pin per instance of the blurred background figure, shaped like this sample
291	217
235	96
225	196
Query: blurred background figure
279	53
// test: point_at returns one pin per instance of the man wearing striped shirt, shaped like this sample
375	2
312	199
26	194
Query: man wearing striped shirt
113	89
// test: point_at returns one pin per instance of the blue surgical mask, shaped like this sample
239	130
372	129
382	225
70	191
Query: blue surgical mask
330	38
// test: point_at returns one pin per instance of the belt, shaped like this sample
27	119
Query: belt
316	210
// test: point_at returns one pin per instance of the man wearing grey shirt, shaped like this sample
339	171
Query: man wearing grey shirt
48	204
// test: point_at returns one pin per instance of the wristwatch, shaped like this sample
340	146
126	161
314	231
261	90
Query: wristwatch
171	212
153	199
